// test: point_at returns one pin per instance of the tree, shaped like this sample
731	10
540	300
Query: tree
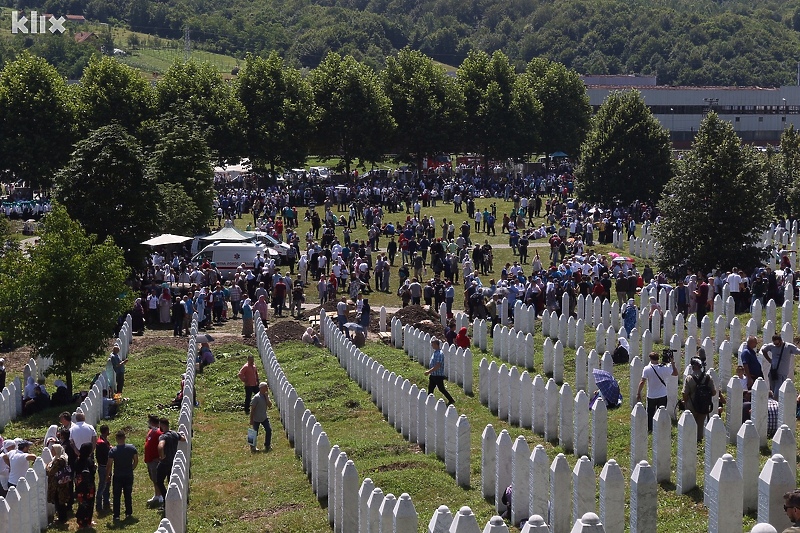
427	106
790	168
355	118
64	299
503	115
279	108
196	91
715	208
36	120
111	91
105	188
181	160
565	106
627	154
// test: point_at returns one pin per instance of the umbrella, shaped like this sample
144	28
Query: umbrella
622	259
609	387
558	154
165	239
205	337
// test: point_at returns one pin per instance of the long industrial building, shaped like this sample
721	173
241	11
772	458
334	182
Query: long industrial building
758	114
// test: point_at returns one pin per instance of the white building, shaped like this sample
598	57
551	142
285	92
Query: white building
758	115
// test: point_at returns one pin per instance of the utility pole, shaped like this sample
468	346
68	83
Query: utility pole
187	45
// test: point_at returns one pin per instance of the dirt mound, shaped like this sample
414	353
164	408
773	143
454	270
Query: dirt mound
430	327
285	330
412	314
374	321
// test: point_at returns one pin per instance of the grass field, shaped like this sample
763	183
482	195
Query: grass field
234	490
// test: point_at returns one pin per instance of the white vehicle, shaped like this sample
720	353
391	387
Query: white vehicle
281	248
228	256
322	172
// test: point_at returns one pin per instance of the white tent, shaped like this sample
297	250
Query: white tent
167	238
228	233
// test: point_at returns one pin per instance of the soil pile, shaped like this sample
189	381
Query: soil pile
430	327
285	330
411	314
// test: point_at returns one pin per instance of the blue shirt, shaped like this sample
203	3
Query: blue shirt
437	357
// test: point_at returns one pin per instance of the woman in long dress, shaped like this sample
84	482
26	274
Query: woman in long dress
164	306
247	318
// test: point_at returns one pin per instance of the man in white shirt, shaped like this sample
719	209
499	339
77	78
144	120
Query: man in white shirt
81	433
655	376
734	281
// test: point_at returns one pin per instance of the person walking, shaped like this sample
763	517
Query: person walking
248	374
259	416
103	446
435	372
122	461
698	391
656	387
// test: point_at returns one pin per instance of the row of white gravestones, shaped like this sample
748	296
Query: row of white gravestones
546	409
24	509
546	488
513	346
457	360
465	521
419	416
10	402
176	501
333	476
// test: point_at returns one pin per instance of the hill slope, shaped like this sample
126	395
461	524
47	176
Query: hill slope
683	42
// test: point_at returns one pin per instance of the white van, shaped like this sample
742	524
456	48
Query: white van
229	255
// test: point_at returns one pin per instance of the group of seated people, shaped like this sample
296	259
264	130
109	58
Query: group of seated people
35	396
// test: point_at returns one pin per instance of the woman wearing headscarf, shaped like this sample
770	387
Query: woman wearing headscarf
200	305
629	315
164	305
30	389
621	353
250	279
247	318
137	317
462	341
263	308
59	483
85	486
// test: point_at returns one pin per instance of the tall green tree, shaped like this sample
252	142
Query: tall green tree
427	106
502	114
111	91
196	91
181	159
279	107
716	207
565	106
37	119
104	187
790	169
355	120
627	154
64	298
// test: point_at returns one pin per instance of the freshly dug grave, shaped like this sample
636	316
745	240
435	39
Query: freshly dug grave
285	330
433	328
412	314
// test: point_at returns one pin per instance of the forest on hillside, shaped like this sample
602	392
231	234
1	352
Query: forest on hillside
683	42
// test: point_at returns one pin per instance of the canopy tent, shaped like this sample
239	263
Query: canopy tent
229	234
167	238
558	154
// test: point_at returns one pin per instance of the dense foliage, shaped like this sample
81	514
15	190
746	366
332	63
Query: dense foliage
682	41
63	298
715	208
627	154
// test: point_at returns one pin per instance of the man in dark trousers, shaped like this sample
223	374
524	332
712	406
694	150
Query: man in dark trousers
122	461
167	449
259	416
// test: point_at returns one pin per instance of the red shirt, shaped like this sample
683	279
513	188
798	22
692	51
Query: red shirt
151	445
